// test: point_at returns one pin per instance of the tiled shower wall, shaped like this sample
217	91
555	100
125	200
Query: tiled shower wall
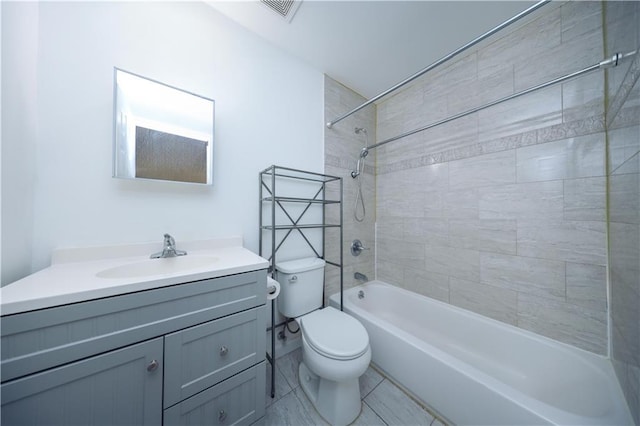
622	34
503	212
342	148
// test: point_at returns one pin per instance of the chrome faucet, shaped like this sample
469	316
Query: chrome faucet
169	249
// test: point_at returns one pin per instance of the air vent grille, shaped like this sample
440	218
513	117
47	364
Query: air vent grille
284	8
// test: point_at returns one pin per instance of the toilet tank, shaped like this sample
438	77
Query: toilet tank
301	284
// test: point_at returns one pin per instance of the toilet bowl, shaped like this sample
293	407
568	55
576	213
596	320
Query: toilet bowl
335	346
335	353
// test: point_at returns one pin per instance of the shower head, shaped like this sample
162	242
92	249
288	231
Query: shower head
360	166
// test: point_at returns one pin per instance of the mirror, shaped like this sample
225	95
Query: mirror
161	132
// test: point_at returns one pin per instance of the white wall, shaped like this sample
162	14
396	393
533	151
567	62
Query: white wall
269	109
19	133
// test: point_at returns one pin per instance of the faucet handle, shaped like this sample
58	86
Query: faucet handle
357	247
169	241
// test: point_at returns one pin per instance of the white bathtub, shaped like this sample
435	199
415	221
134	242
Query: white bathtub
475	370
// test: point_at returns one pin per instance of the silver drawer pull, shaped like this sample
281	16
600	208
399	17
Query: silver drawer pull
222	415
224	350
153	365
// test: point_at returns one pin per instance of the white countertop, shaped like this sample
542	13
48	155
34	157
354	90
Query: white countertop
72	277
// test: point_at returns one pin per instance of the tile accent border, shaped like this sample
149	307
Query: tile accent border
589	125
346	163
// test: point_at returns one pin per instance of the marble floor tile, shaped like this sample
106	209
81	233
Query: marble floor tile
282	386
383	402
288	410
288	366
368	417
395	407
368	381
306	404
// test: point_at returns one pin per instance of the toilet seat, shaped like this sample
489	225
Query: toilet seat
334	334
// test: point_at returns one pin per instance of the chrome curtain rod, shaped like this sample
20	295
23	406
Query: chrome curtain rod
408	80
607	63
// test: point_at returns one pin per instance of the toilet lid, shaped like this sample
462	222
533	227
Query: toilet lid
335	334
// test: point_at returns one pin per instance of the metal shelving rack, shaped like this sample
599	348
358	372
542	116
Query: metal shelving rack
273	197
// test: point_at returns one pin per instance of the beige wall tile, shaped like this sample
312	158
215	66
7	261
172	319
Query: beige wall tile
461	204
571	241
624	197
401	252
496	303
537	200
539	109
389	272
540	277
587	286
484	170
563	321
585	199
624	144
493	235
583	97
426	231
453	261
426	283
577	157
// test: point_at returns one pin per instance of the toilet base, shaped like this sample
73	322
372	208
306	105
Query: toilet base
337	402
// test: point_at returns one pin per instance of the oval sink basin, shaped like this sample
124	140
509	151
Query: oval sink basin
162	266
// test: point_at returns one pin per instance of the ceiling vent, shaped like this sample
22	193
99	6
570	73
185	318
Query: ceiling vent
284	8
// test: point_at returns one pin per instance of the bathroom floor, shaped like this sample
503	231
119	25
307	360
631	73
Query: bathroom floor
383	402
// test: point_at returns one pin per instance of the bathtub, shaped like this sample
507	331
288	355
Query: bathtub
475	370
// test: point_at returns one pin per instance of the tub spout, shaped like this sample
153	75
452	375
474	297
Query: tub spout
360	277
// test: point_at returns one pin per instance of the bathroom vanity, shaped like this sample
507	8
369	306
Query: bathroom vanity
127	345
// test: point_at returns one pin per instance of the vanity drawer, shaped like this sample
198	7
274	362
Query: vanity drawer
37	340
201	356
238	400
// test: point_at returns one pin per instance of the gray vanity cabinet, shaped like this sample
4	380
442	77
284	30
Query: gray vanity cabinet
118	388
190	353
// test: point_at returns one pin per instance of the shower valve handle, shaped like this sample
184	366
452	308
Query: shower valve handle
357	247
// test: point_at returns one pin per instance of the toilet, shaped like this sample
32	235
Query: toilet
335	346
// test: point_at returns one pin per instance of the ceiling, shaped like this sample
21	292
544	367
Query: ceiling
370	46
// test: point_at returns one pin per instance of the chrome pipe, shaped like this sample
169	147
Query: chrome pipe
607	63
472	43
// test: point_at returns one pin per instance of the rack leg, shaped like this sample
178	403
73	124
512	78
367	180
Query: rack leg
273	349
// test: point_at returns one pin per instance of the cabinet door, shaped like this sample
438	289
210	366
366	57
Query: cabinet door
239	400
121	387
